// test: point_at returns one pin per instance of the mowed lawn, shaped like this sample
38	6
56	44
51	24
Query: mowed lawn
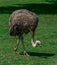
46	32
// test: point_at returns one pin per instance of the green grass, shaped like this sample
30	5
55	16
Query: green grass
46	32
10	2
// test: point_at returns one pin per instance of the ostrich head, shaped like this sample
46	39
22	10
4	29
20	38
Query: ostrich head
36	44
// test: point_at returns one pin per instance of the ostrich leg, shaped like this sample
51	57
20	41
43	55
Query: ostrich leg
22	41
16	46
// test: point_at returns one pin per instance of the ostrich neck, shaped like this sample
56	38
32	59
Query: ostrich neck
33	43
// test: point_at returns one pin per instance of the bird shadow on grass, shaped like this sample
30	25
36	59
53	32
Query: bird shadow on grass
45	55
37	8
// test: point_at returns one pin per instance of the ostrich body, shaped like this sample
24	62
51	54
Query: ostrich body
21	22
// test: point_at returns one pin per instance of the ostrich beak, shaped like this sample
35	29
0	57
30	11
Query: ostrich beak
38	43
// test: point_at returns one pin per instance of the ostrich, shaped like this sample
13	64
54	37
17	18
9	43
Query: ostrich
21	22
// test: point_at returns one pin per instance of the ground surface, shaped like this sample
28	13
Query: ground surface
46	32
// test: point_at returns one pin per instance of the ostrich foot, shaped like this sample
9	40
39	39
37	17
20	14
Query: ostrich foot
26	54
